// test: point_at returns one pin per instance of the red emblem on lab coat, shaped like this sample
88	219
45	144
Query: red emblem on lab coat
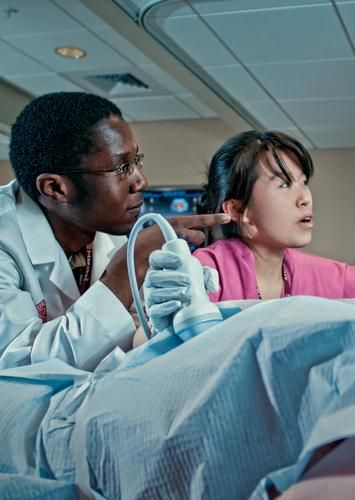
42	310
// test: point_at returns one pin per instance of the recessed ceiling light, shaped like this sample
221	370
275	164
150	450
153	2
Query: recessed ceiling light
72	52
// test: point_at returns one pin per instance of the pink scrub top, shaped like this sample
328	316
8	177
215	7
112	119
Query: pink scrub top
307	274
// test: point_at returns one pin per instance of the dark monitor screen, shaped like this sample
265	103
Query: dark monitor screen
171	201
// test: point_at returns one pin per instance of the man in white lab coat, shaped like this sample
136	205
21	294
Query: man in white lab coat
64	289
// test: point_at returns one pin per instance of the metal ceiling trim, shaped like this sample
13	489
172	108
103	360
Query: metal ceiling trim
140	17
343	25
184	59
143	14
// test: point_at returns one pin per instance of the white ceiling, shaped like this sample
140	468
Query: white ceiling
289	63
282	64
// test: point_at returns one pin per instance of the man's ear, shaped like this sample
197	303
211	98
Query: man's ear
232	208
53	187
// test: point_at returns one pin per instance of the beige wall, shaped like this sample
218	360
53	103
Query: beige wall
6	173
12	102
333	189
177	153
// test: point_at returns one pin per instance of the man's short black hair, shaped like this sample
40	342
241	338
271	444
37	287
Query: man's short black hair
54	133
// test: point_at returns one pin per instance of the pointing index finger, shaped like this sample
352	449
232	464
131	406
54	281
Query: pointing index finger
210	220
190	227
199	221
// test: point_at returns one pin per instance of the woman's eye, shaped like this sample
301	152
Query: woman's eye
284	184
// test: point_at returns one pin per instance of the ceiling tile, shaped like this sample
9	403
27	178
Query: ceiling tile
186	31
314	79
199	107
218	6
44	83
296	49
237	82
269	114
299	135
42	47
171	9
81	13
131	7
164	79
275	35
13	62
123	46
315	113
347	11
137	3
34	16
155	108
332	137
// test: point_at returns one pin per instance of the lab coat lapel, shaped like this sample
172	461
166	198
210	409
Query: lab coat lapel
62	276
43	249
104	247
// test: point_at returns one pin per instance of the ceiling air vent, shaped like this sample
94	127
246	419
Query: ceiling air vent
119	84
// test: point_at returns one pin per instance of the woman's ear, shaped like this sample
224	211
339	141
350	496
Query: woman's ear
53	188
243	219
232	208
249	229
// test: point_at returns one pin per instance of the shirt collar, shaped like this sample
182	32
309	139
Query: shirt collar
41	245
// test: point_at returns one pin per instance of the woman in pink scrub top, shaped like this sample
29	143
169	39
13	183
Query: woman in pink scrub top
261	180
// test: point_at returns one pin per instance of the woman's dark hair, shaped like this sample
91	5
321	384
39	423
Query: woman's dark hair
53	133
235	168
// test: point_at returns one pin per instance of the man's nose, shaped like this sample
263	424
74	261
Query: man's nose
138	180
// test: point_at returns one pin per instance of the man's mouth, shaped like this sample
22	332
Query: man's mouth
136	208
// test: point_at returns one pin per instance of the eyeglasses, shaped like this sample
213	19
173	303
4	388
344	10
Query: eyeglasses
123	171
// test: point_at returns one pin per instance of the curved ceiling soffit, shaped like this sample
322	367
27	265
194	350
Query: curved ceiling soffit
146	19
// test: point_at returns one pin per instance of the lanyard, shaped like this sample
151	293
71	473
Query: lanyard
82	274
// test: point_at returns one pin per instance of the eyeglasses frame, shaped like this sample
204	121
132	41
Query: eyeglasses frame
126	169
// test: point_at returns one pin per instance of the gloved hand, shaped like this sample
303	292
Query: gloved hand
166	289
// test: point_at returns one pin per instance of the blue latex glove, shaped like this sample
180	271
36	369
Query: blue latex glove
166	289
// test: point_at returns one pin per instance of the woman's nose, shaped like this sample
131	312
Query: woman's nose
304	197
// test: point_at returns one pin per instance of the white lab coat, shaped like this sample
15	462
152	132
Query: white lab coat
81	330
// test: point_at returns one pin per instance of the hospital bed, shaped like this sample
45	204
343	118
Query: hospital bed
209	418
